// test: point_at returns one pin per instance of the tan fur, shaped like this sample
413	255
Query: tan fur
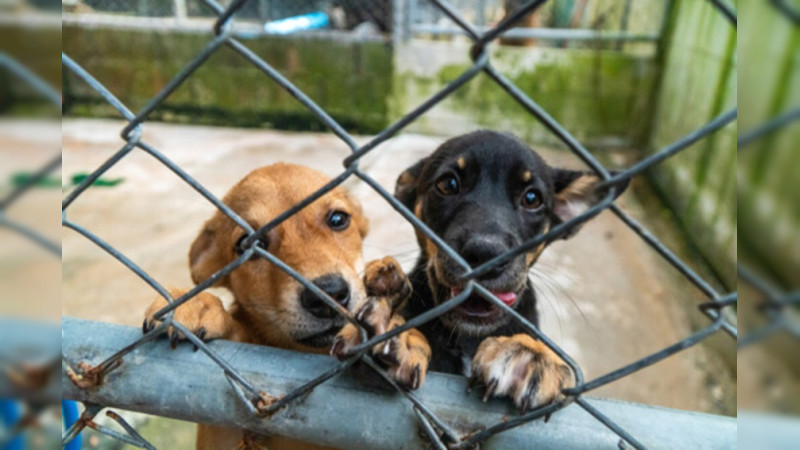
303	241
507	365
266	308
406	356
532	257
203	312
582	186
406	179
526	176
462	162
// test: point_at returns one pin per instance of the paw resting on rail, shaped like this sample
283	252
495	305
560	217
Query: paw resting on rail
404	356
203	315
522	368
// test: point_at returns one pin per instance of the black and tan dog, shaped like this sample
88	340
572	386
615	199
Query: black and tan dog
485	193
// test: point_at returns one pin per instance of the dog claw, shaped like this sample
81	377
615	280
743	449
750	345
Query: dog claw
490	389
415	378
173	340
145	328
389	357
336	348
365	311
524	404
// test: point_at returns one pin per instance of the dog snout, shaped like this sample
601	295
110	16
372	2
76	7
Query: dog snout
333	285
481	249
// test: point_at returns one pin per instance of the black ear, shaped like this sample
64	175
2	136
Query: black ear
405	189
576	192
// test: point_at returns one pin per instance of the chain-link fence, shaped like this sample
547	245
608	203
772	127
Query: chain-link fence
86	378
29	364
438	431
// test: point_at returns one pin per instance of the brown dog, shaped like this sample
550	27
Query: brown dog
322	242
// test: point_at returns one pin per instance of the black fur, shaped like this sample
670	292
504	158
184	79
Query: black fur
484	219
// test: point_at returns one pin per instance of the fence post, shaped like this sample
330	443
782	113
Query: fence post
180	9
400	21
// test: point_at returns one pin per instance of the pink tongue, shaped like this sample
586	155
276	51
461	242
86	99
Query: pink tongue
506	297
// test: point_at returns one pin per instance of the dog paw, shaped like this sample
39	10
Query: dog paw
404	356
385	278
522	368
203	315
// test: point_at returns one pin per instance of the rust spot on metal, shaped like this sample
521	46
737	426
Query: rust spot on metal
88	377
263	404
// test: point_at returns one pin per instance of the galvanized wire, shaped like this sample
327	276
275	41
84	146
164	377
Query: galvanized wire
18	194
431	425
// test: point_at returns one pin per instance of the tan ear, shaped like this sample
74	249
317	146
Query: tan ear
405	188
575	193
205	256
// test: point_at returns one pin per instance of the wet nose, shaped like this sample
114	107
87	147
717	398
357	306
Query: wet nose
333	285
481	249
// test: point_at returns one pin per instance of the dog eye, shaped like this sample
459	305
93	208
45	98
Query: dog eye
262	242
338	220
447	185
531	199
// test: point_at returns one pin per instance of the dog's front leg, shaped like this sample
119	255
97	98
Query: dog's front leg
406	355
522	368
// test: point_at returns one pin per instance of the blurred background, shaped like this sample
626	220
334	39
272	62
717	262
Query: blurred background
626	77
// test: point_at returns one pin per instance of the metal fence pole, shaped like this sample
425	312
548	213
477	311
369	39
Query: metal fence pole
192	387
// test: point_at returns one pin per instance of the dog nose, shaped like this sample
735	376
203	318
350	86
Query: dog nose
479	250
333	285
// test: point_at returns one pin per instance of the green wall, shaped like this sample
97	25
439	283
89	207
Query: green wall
699	82
364	85
602	97
348	79
769	185
38	49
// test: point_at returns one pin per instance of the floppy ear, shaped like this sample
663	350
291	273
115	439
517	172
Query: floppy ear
205	256
405	189
576	192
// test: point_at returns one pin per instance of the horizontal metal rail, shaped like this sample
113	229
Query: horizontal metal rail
545	33
201	25
188	385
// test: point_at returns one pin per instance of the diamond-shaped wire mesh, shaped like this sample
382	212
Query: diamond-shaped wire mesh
437	429
18	368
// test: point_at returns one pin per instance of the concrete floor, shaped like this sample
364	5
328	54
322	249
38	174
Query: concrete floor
608	298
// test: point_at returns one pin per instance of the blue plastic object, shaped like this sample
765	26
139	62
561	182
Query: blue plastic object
9	415
69	411
289	25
